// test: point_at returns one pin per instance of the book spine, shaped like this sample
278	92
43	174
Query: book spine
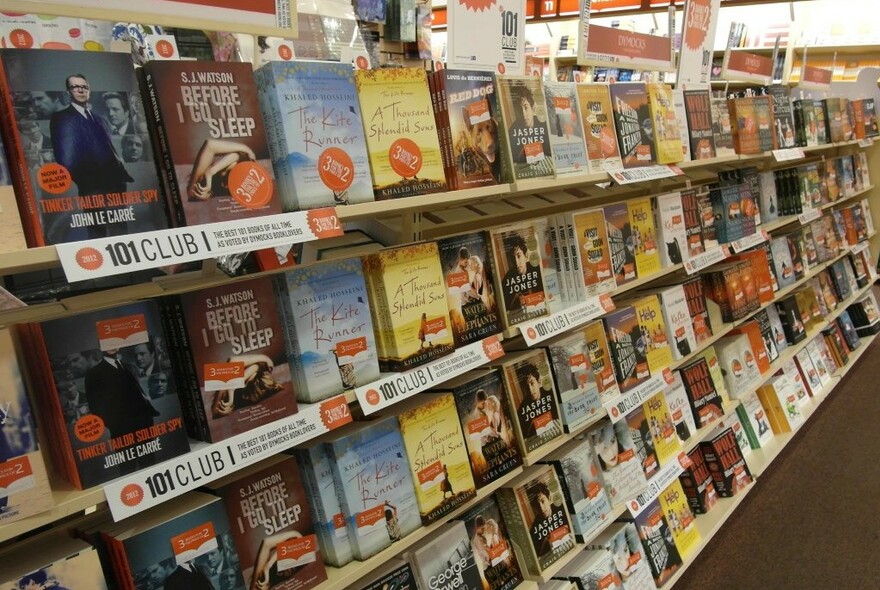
567	289
435	80
557	255
274	125
518	530
743	414
325	527
291	342
184	368
382	317
577	275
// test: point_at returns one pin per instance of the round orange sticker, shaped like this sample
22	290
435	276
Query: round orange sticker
250	185
362	63
53	178
284	52
501	68
336	169
405	157
89	258
89	428
132	494
164	48
373	397
21	39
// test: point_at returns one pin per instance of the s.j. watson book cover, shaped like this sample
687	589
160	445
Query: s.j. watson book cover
438	457
272	526
409	305
632	120
209	133
79	153
329	331
401	132
490	543
230	346
104	380
524	112
316	134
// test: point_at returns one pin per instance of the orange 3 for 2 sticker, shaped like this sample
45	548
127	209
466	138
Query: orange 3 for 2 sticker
405	157
336	169
194	542
118	333
250	185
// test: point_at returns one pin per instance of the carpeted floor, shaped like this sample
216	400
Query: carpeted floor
813	519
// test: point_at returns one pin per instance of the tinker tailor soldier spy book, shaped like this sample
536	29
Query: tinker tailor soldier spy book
79	152
104	380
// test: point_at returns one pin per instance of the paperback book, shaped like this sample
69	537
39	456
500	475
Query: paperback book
730	472
702	393
621	470
599	353
566	130
654	530
672	230
627	348
643	441
653	333
620	243
575	383
632	121
594	252
492	546
664	125
524	112
643	236
698	108
528	383
721	128
598	122
682	523
520	278
696	483
678	322
446	561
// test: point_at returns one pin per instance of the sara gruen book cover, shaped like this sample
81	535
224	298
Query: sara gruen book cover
271	526
438	458
316	134
469	272
598	122
80	156
237	365
520	276
401	132
329	331
487	424
492	547
524	112
106	383
632	121
409	307
376	491
209	133
529	385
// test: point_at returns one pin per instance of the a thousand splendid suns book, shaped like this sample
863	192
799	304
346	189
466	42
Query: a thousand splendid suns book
409	307
598	122
491	545
208	128
271	525
331	346
520	278
401	132
632	120
524	112
104	380
316	134
79	153
566	128
438	458
231	347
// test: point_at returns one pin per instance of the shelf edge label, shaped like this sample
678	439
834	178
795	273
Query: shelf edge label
540	329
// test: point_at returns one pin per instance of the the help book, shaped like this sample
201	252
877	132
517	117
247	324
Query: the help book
81	164
490	543
331	346
104	382
230	346
209	135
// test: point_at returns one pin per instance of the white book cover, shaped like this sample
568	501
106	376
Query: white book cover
800	389
619	462
679	325
681	116
732	421
809	372
866	212
577	275
488	39
565	255
788	392
680	409
738	364
551	274
566	130
671	228
556	252
822	369
757	416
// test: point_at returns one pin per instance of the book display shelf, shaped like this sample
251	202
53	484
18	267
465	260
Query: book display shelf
426	218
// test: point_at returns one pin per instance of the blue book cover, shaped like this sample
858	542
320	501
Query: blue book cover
326	313
317	141
578	394
566	130
376	489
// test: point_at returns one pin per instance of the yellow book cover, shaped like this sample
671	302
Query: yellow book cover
408	296
438	458
681	520
401	133
600	359
594	252
667	140
650	317
711	358
666	443
597	118
643	236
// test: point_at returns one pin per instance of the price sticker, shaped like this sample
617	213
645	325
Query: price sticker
335	412
193	543
222	376
122	332
788	154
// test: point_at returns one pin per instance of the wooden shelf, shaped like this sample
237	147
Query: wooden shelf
68	502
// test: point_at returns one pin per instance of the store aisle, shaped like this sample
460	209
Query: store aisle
813	521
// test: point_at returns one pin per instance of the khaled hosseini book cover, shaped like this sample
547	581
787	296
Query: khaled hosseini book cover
491	545
79	151
316	134
632	120
106	383
401	131
331	346
438	458
408	302
524	112
209	131
231	345
271	526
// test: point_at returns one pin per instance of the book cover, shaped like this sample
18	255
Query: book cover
470	287
599	354
667	139
680	409
722	131
678	322
524	112
491	545
52	560
632	121
79	154
316	134
376	492
681	119
621	469
622	541
599	131
574	380
620	243
765	122
643	442
23	474
730	472
553	243
402	140
395	575
739	364
783	266
473	112
438	458
110	391
272	527
782	116
671	229
372	11
627	348
589	569
520	279
485	416
698	108
535	514
681	520
653	329
644	236
528	382
446	561
311	39
594	251
744	125
661	427
699	313
693	226
702	393
696	483
582	486
409	306
237	362
209	131
662	555
330	342
566	130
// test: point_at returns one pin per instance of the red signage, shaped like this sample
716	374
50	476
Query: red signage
816	76
749	63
